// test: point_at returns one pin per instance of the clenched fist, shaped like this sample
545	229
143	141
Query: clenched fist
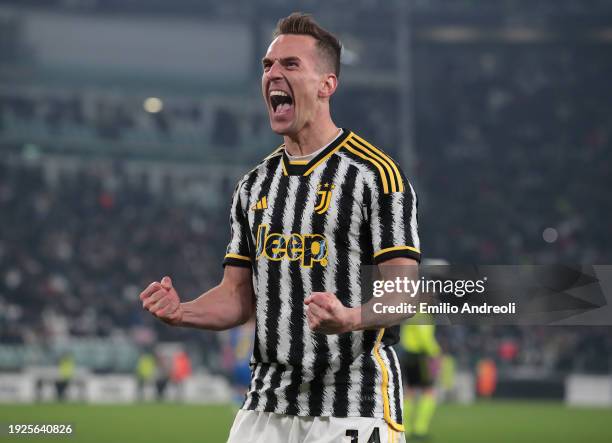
326	314
162	300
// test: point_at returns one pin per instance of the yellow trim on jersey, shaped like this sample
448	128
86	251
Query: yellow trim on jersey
240	257
298	162
385	384
375	163
384	162
391	162
276	151
283	165
397	248
329	154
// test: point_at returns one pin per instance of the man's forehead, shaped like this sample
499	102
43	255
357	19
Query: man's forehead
286	45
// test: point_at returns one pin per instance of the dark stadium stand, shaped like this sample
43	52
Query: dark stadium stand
511	137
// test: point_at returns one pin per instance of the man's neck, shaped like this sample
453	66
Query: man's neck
310	139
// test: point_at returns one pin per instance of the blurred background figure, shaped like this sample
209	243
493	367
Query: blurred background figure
421	361
164	366
486	377
237	351
242	342
146	371
66	371
181	371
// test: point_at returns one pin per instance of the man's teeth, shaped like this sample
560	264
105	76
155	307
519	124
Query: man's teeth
281	93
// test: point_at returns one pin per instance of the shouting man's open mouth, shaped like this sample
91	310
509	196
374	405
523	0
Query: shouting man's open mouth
281	102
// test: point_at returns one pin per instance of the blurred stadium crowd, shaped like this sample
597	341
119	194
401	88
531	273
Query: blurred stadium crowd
512	142
510	139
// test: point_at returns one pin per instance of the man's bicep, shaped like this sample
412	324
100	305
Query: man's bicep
399	261
399	267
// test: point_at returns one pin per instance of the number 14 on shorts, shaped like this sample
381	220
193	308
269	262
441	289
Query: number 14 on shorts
352	436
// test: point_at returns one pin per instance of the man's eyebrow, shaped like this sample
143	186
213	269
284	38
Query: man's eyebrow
292	58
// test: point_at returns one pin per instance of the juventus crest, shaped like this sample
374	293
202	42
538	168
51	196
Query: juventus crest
325	192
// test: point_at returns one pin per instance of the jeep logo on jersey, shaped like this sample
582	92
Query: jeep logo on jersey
310	248
325	191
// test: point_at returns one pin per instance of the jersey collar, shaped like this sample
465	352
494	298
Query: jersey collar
305	168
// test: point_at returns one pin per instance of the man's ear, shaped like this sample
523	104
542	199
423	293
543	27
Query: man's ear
328	86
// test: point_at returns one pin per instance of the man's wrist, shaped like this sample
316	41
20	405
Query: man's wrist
354	319
184	310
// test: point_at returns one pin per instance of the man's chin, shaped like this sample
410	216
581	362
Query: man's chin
281	128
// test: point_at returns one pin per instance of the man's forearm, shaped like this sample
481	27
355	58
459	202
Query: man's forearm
218	309
364	317
371	314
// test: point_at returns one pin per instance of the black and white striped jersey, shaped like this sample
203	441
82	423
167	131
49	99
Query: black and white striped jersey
310	226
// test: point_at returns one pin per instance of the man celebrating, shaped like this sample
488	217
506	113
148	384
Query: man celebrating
303	222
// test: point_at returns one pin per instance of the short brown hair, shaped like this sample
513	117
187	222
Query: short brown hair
328	44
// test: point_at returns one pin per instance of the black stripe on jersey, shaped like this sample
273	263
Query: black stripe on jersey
229	260
273	299
406	253
369	369
391	335
383	169
321	346
342	376
258	384
296	324
395	396
301	169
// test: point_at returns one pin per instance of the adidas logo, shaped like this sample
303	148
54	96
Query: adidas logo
260	205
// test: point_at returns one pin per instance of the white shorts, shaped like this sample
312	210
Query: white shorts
267	427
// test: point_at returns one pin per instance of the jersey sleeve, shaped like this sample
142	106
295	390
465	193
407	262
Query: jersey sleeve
393	220
238	252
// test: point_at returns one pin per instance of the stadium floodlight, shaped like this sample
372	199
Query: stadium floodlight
153	105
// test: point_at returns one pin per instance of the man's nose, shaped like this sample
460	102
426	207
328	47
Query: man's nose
275	71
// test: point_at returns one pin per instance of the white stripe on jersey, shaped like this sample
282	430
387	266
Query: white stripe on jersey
375	220
356	377
398	212
329	283
413	220
236	228
266	384
254	377
378	401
